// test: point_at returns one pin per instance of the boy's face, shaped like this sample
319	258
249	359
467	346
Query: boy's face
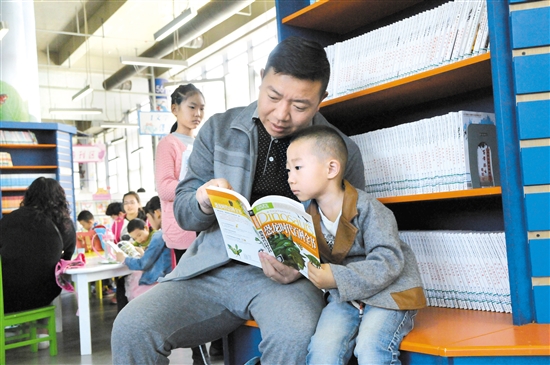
307	173
140	235
287	104
87	225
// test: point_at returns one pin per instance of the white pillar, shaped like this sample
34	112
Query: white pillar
19	64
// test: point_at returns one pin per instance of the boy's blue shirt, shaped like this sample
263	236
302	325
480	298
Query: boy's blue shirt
155	263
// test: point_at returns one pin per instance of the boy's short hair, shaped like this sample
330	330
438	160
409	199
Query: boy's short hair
328	142
85	215
300	58
136	223
114	208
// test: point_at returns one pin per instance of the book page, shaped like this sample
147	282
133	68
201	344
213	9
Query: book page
289	231
241	238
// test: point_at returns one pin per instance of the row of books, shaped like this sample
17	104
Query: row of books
20	181
465	270
448	33
17	137
427	156
5	159
11	202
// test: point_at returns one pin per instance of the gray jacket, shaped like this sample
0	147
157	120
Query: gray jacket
226	147
369	261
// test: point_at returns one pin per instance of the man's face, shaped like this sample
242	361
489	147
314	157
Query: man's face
287	104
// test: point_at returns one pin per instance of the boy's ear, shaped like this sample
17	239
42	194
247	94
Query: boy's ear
333	168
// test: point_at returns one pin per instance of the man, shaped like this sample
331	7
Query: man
209	295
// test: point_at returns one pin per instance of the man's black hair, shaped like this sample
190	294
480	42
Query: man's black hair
302	59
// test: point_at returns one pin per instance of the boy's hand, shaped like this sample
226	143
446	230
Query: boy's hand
278	271
120	256
202	196
322	278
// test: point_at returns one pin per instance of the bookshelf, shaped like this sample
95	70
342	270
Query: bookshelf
423	94
51	157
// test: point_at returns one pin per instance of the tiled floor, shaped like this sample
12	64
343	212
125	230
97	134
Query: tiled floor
102	316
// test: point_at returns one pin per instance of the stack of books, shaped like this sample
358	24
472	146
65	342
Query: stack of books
5	159
427	156
448	33
10	203
465	270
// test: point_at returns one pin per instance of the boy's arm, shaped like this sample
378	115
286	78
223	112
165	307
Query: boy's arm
383	261
150	256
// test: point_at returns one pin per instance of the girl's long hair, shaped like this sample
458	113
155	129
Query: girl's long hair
48	197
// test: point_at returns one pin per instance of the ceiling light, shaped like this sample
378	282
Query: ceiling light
82	93
154	62
117	140
76	111
3	29
118	125
175	24
139	149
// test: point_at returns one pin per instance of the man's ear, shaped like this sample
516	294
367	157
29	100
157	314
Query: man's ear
333	168
262	73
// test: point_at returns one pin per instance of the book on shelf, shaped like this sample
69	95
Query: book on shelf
274	224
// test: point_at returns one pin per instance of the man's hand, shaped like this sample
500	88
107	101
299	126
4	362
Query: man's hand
278	271
202	196
322	278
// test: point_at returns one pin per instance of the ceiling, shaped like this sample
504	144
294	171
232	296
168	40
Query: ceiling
115	29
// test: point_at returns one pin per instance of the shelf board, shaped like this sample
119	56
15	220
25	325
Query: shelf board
8	211
27	167
14	189
482	192
344	16
27	146
455	78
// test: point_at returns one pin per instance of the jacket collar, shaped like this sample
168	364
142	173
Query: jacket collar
345	235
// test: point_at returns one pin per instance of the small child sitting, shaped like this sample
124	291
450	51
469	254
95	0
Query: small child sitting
371	276
154	263
86	219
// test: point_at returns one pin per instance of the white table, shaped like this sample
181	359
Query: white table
93	271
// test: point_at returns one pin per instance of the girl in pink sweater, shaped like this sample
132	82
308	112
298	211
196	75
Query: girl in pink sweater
171	162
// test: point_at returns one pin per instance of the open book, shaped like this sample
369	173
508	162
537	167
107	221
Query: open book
274	224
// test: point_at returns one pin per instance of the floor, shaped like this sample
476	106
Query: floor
102	316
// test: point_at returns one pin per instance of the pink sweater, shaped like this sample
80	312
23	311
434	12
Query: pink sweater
167	171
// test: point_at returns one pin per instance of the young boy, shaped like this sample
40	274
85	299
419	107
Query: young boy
87	221
155	262
371	276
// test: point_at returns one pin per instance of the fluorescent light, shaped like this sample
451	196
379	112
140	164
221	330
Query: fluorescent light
175	24
114	158
118	125
155	62
82	93
3	29
118	140
139	149
76	111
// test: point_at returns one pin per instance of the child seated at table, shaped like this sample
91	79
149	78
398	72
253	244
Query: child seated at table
154	263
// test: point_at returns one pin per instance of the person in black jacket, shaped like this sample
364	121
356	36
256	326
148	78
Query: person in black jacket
33	239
